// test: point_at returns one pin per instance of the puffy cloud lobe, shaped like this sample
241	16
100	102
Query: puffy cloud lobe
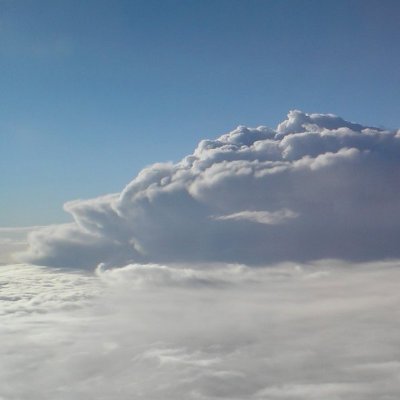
315	187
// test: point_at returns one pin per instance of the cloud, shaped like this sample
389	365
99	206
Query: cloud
28	289
12	240
260	217
315	187
327	329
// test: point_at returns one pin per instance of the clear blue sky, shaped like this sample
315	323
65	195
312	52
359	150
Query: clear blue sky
92	90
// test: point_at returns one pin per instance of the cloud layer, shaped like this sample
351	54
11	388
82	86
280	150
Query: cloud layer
326	330
315	187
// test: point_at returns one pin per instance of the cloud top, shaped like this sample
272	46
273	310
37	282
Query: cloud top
299	331
315	187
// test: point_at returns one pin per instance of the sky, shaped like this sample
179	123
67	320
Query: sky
94	91
199	200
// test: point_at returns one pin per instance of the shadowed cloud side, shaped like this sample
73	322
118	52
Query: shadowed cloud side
315	187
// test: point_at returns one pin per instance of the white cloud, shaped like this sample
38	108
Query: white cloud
292	331
12	240
26	289
212	294
260	217
338	178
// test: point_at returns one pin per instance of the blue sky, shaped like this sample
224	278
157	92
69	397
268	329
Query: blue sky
92	91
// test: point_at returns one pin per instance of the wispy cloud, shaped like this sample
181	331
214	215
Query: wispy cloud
19	229
260	217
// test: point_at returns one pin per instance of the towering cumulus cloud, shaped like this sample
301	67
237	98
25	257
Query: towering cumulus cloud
315	187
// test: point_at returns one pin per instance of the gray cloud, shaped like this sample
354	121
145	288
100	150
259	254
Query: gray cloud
227	201
293	331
